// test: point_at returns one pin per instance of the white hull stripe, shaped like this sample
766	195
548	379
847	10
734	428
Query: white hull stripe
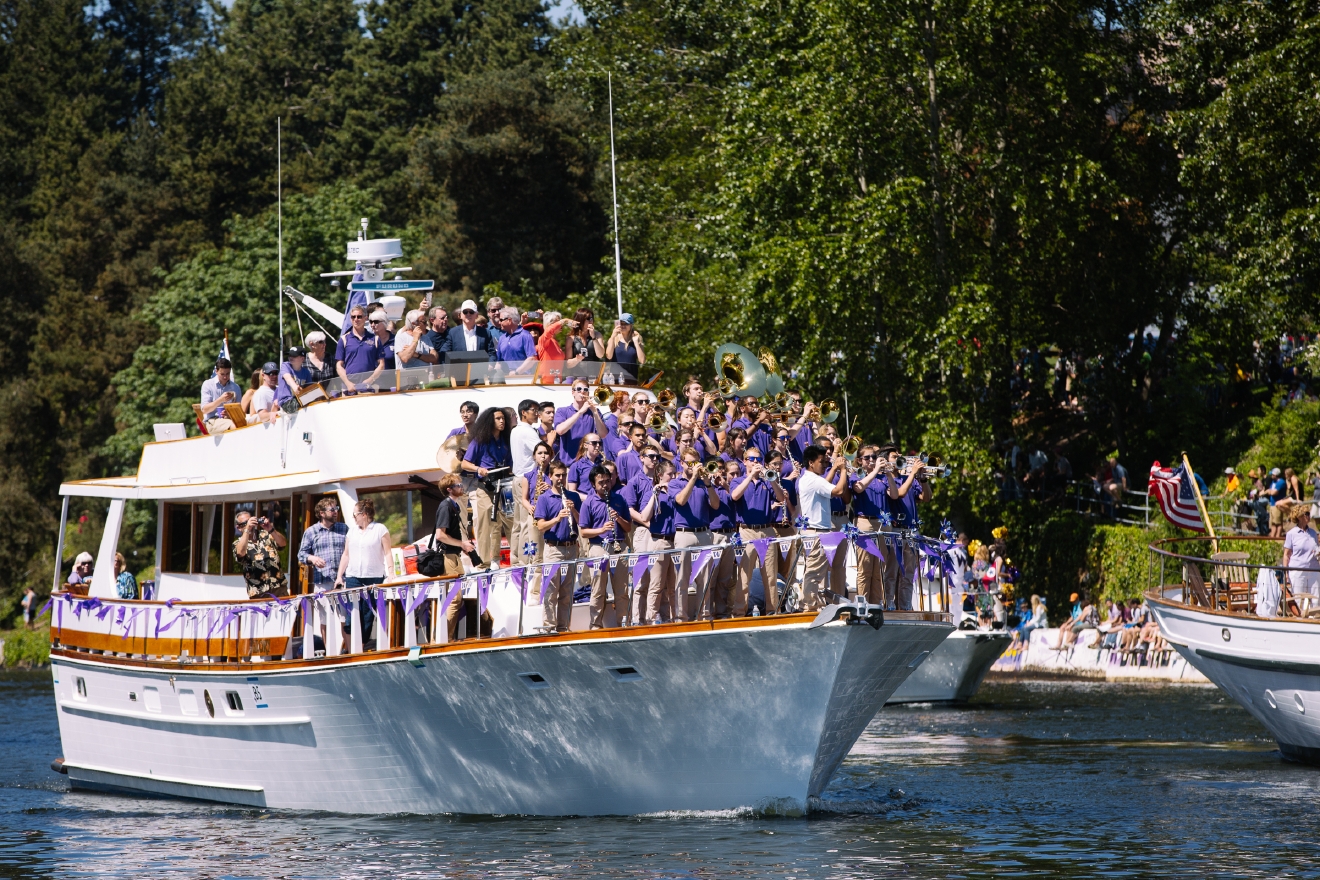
198	720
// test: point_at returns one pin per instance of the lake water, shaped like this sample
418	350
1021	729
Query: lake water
1056	779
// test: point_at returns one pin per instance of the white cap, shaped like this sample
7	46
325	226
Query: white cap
468	304
1229	471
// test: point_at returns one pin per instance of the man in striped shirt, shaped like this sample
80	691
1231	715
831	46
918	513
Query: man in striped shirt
323	544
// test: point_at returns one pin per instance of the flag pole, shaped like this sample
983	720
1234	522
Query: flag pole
1200	504
614	190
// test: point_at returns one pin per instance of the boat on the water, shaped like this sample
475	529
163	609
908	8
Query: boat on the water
954	670
1237	622
202	692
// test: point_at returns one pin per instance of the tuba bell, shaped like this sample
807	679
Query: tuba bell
739	371
715	421
774	382
603	395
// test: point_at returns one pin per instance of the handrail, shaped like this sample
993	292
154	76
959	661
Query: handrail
1288	601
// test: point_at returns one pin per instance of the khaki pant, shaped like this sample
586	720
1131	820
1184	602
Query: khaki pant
557	596
898	590
454	569
616	580
218	426
769	571
723	575
688	607
488	533
523	527
870	579
820	573
658	582
788	560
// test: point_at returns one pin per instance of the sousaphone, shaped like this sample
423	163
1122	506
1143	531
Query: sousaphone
738	372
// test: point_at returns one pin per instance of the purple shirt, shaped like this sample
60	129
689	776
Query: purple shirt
869	502
595	514
548	507
798	445
724	518
638	491
662	517
614	445
495	454
385	351
579	473
569	443
696	513
754	507
516	346
742	468
629	464
904	509
357	355
531	484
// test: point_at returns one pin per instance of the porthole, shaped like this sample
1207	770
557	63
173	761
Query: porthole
1269	698
210	706
1225	634
1297	698
916	661
534	680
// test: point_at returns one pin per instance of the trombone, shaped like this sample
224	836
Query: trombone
657	421
665	399
603	396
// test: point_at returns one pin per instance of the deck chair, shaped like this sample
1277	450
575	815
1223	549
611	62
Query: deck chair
1232	577
197	414
1192	578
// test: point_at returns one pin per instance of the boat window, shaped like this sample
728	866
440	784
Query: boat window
80	688
187	701
151	699
177	541
534	680
392	512
208	533
625	673
233	703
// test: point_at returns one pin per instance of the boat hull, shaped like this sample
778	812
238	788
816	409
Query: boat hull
630	721
954	670
1268	665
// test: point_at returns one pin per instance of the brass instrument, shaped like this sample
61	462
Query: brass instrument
774	382
851	446
665	399
603	395
714	466
829	411
715	421
739	371
657	421
771	475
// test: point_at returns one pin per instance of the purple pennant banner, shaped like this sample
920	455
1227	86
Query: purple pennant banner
698	563
381	611
639	569
762	545
867	544
519	578
483	594
547	575
830	544
423	591
449	597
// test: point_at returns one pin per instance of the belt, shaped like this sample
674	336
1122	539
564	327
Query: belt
562	543
686	529
729	531
665	537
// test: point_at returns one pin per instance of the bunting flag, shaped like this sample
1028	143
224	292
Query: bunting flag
483	594
423	592
830	543
381	611
639	569
762	545
547	575
449	597
703	556
867	544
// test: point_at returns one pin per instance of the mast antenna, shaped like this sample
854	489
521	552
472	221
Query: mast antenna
279	223
614	188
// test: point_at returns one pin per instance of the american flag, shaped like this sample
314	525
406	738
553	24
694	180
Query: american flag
1173	492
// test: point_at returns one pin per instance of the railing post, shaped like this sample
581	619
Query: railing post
333	631
309	631
355	623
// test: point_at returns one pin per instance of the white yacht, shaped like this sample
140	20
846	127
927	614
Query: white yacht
953	671
1251	642
200	692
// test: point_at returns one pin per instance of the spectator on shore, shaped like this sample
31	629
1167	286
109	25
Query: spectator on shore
1035	620
1276	491
1117	483
357	354
1066	628
216	392
1231	482
322	545
294	375
624	348
1301	555
515	346
467	336
257	551
126	586
29	604
321	368
1294	485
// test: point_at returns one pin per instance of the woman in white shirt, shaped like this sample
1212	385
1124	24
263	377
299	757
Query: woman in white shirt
1301	554
366	547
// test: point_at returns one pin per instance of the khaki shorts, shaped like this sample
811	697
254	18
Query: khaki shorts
1276	515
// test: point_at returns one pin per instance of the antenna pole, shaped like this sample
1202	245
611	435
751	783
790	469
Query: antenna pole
614	188
279	223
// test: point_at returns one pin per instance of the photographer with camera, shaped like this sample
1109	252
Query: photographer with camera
257	550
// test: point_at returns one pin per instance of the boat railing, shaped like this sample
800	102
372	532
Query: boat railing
478	373
1249	578
410	611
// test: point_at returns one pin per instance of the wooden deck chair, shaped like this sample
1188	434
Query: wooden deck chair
201	422
1233	577
1196	583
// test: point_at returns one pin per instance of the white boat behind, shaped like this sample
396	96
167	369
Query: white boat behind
954	671
1268	664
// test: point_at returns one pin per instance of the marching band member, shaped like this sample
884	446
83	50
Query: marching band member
870	499
903	506
735	448
590	454
756	422
604	523
630	461
816	487
489	451
753	501
723	525
651	507
573	423
528	490
694	502
556	518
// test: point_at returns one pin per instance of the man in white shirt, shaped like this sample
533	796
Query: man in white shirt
816	487
262	408
522	442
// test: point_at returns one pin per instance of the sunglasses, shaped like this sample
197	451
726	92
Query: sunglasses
468	312
783	437
593	442
357	317
652	456
754	460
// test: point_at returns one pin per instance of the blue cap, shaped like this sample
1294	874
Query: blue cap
627	318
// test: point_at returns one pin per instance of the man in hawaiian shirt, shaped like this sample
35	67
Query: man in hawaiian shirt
258	551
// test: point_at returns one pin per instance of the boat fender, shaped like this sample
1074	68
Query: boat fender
58	766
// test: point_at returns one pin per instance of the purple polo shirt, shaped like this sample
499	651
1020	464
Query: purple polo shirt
798	445
629	464
614	445
760	436
724	518
754	507
662	518
489	455
531	484
357	355
461	429
595	514
569	443
696	513
872	500
385	351
579	472
904	509
516	346
742	468
548	507
638	491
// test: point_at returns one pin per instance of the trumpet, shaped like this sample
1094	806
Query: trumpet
603	395
715	421
665	399
771	475
713	467
657	421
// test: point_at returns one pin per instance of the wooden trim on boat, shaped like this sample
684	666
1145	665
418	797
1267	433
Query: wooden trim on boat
168	647
66	649
1153	595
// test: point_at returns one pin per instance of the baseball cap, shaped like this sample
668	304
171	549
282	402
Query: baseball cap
627	318
1275	472
270	367
296	351
468	305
